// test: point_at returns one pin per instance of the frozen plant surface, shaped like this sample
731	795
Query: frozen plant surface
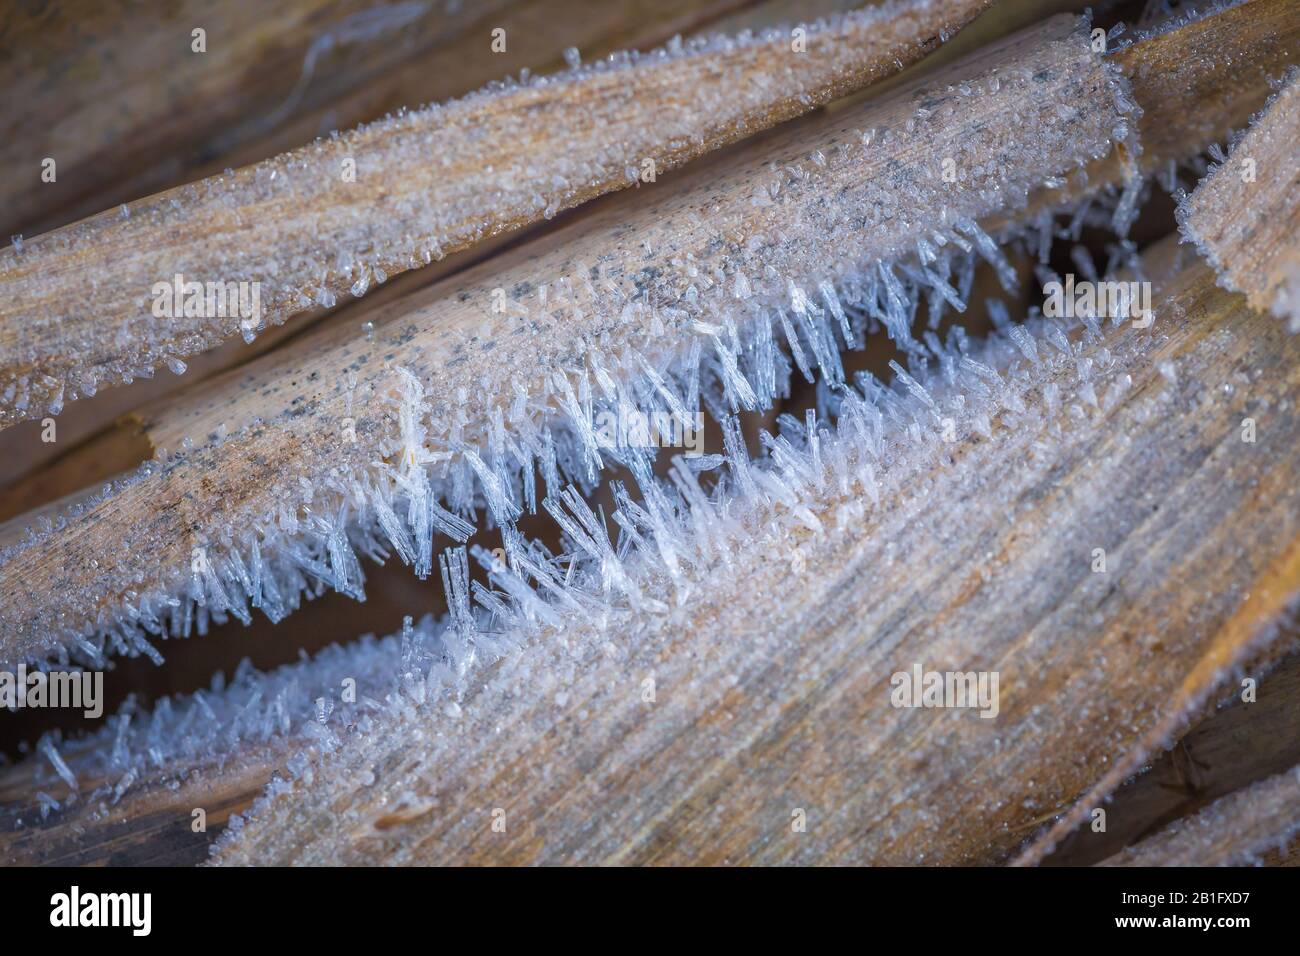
1164	17
1244	217
482	396
860	544
255	716
1202	73
80	309
1236	830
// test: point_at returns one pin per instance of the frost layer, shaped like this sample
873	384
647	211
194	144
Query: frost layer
80	305
1244	217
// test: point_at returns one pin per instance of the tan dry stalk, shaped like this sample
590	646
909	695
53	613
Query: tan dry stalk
1236	830
1238	742
1195	85
1245	216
